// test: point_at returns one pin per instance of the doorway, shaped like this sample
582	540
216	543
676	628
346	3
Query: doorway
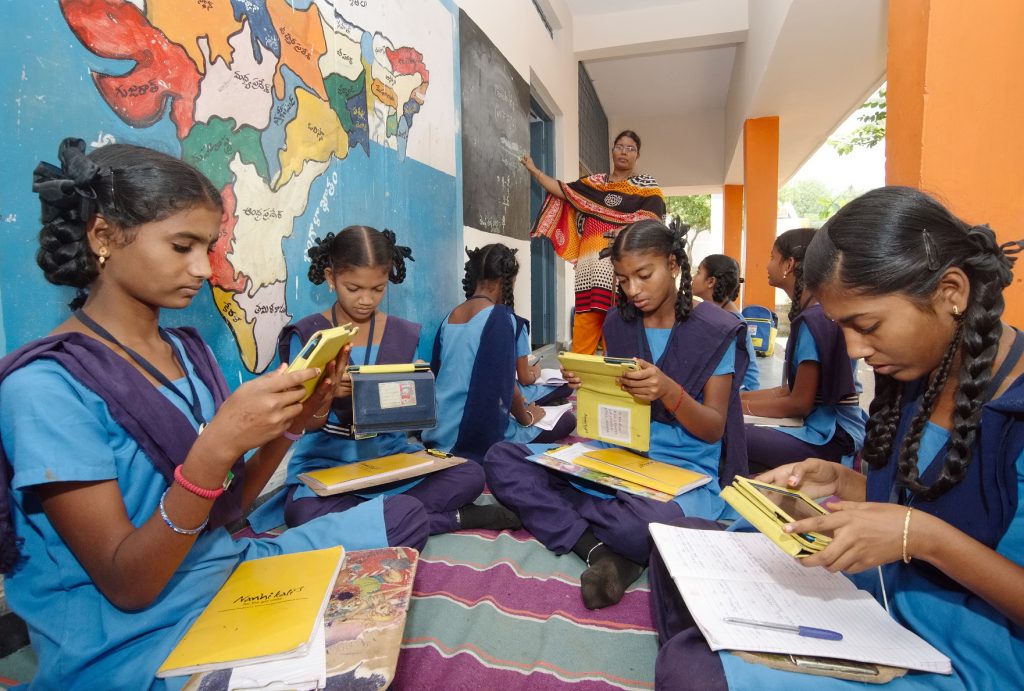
542	253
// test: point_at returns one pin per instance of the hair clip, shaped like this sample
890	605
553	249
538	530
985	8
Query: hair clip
930	251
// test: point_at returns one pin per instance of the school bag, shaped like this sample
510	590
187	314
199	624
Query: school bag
763	326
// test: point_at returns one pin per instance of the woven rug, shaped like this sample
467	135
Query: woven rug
499	611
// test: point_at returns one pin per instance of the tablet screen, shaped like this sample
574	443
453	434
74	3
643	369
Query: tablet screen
792	503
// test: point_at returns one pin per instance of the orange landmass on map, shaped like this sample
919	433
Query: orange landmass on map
224	274
186	21
302	43
117	29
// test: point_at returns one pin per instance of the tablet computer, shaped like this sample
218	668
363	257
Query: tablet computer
320	349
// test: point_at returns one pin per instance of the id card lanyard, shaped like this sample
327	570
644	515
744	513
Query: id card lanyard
194	406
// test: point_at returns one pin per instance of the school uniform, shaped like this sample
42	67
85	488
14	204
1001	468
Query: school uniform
558	510
752	378
541	394
474	363
985	647
441	492
835	426
71	410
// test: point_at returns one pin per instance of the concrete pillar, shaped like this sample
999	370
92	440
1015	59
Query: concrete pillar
761	186
732	205
955	98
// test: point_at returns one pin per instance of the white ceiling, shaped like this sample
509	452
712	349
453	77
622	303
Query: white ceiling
663	83
708	65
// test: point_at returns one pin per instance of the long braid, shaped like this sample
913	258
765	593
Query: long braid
906	468
798	291
320	258
684	297
883	422
990	271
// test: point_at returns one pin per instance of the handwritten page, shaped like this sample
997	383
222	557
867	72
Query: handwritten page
552	414
744	575
304	673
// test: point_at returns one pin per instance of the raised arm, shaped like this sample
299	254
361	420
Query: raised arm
549	184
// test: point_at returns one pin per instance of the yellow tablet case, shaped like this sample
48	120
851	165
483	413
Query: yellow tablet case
322	347
647	472
603	410
769	518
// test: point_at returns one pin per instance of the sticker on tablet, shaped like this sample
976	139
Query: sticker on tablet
614	424
397	394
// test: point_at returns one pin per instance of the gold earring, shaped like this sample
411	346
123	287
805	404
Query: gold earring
956	311
785	273
102	259
330	287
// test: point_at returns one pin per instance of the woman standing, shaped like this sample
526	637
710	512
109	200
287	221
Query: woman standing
576	216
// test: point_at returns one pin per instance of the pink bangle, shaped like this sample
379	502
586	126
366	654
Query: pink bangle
210	494
292	436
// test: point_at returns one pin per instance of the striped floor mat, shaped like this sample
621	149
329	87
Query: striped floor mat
499	611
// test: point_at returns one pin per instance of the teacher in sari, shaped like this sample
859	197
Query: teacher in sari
579	217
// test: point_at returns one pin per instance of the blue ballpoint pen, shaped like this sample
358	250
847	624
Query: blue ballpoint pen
806	631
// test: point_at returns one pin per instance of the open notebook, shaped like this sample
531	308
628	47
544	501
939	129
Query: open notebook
744	575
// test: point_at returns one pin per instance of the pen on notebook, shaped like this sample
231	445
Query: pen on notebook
806	631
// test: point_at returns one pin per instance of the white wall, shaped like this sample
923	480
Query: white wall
548	64
689	146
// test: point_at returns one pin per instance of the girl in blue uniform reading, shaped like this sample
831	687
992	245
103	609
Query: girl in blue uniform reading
819	382
121	446
357	264
919	295
718	280
474	359
687	356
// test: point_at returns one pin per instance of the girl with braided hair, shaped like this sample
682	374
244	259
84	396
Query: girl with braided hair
119	437
691	362
475	358
819	382
357	264
718	280
919	295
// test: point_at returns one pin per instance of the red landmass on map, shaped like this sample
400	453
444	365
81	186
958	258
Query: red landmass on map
406	60
224	274
118	29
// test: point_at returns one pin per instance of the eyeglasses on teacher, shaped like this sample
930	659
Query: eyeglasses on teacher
624	149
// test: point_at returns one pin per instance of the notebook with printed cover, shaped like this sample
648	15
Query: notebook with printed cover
349	477
392	398
564	461
768	508
267	609
641	470
603	410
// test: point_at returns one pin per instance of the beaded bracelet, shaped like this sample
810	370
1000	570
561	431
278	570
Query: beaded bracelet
170	523
201	492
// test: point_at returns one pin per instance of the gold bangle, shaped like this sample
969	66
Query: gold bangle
321	417
906	529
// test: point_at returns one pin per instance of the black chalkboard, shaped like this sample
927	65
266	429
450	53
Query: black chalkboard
495	134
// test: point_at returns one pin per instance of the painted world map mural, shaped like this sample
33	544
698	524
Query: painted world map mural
306	115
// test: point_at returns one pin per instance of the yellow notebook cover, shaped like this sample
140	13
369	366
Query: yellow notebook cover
375	471
603	410
750	500
267	609
629	466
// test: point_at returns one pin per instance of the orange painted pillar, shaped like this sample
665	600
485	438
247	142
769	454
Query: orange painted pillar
761	185
732	212
955	98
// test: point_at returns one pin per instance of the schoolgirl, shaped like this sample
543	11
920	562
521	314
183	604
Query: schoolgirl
718	280
819	382
688	356
474	359
919	295
357	265
119	436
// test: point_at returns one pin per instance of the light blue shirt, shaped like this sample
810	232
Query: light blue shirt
673	444
820	425
751	380
56	430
